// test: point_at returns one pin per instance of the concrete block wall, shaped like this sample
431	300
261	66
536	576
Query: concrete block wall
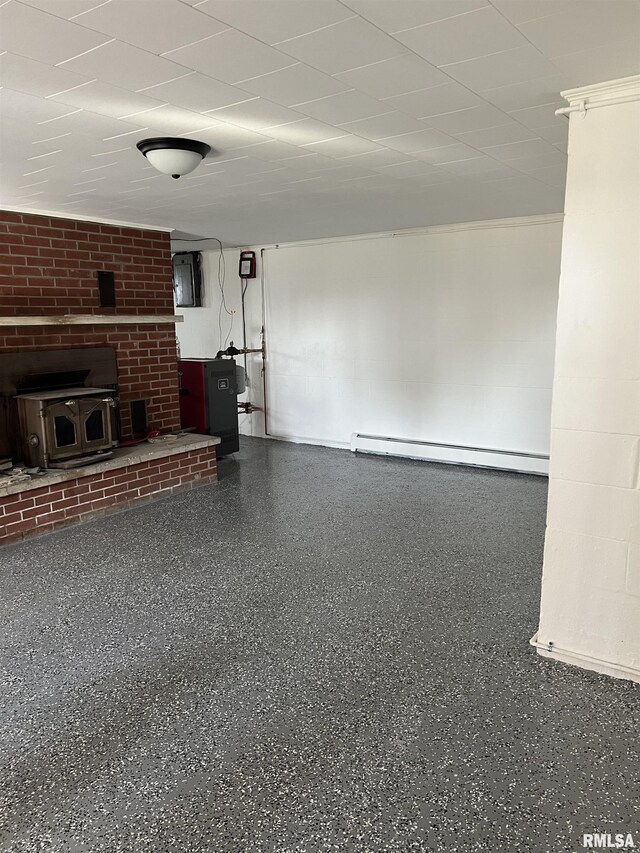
443	335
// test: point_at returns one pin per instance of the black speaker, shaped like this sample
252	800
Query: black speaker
106	289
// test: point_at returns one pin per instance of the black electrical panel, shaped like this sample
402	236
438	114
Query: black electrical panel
187	279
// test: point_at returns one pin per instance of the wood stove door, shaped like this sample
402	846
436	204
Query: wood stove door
62	423
95	420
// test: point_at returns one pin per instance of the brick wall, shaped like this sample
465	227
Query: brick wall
48	265
42	510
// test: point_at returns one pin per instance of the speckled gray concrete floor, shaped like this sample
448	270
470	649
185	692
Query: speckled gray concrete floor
321	652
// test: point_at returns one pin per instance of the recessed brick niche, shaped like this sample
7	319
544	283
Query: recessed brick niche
49	267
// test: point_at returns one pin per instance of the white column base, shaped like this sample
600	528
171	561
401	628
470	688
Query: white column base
585	661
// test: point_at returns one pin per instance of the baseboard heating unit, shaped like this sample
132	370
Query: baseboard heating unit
455	454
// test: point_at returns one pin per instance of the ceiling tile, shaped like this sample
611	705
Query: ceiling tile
442	176
519	11
172	121
276	20
393	16
463	37
591	25
229	138
517	150
230	56
475	118
540	161
293	85
311	163
105	99
63	8
170	26
35	78
440	99
37	35
305	131
557	134
609	62
46	137
392	77
529	93
410	169
342	46
555	176
18	106
383	157
125	66
392	124
119	139
94	125
347	106
525	190
541	116
344	146
512	132
481	165
448	154
423	140
273	150
197	92
349	171
256	114
501	69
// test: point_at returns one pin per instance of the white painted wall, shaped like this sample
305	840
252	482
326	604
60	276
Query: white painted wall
445	335
590	608
199	334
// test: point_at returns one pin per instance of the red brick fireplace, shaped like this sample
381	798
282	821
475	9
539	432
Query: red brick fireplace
51	300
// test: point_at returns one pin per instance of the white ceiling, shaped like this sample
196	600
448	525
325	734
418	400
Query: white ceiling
328	118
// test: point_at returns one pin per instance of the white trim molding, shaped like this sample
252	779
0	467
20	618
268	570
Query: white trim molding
474	225
32	211
622	91
93	320
552	652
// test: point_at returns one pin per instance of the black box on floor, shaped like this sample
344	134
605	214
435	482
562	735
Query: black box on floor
209	399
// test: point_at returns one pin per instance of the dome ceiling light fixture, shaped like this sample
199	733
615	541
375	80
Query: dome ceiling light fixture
172	155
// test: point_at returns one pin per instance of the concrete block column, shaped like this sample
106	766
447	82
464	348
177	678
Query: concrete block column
590	609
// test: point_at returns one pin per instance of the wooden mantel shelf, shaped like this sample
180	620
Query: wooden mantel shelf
92	320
